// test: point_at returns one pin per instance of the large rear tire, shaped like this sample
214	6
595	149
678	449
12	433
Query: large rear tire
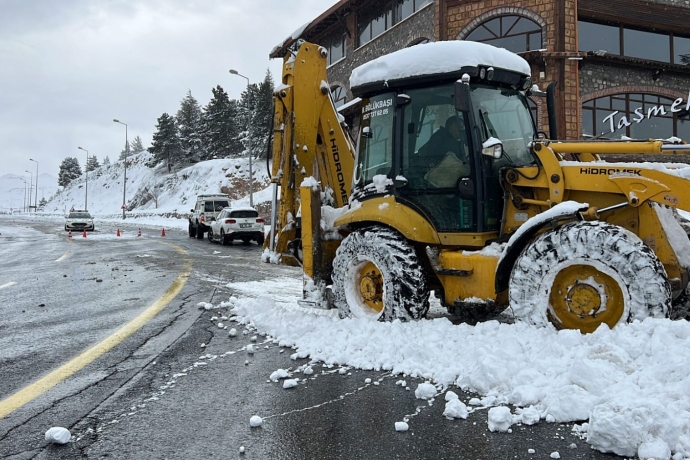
377	275
585	274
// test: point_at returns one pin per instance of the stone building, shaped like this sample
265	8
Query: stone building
621	68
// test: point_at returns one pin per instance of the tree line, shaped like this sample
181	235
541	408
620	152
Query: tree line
224	128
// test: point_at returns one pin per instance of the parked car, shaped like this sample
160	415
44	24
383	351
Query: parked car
207	208
242	224
79	220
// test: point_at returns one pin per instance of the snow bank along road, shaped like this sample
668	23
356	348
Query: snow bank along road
234	344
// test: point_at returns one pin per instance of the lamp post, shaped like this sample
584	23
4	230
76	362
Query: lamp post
36	200
24	180
31	186
86	173
249	139
124	182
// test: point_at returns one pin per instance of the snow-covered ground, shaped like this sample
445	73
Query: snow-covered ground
626	390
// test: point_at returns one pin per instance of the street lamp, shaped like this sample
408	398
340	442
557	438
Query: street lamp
31	186
24	180
249	137
36	200
86	173
124	186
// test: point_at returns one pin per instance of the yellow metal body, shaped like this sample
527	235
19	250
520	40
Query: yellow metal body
308	142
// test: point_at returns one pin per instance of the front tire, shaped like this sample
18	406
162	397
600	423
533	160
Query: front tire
223	240
585	274
192	231
209	234
377	275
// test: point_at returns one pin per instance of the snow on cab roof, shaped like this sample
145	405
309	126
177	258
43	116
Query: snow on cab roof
436	58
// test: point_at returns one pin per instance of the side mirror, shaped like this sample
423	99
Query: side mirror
400	182
366	132
191	210
492	148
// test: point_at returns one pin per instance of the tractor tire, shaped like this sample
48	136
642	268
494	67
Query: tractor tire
377	275
192	231
585	274
199	232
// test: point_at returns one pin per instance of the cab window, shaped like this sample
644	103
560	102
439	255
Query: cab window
375	152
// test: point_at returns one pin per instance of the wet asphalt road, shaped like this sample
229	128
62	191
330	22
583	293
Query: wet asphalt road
159	394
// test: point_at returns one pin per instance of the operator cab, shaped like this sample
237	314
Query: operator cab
437	141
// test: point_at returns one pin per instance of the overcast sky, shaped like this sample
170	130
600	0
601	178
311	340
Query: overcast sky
68	67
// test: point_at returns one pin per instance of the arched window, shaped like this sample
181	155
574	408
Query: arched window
514	33
339	95
638	116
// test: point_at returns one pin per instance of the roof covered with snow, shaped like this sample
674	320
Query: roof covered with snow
436	58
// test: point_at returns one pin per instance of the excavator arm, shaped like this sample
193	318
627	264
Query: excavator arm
309	142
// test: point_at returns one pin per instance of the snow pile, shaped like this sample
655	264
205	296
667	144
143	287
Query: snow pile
435	58
630	383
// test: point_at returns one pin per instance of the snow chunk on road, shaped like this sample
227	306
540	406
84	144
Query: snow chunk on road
58	435
290	383
279	374
455	409
401	426
500	419
425	391
255	421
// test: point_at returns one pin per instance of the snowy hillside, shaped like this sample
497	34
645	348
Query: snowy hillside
175	192
13	190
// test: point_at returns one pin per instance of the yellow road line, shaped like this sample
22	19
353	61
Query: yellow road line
64	256
34	390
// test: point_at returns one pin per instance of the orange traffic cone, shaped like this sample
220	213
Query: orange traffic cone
163	232
118	232
139	232
84	234
69	235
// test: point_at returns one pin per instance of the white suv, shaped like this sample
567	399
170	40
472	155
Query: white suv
207	208
237	224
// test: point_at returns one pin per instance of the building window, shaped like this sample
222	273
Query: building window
378	20
514	33
637	116
339	95
626	41
336	48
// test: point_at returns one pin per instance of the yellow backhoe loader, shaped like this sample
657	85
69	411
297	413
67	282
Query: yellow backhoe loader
452	190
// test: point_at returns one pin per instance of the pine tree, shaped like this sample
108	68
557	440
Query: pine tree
136	146
263	117
42	204
69	170
166	145
125	152
258	100
188	120
106	161
221	126
92	163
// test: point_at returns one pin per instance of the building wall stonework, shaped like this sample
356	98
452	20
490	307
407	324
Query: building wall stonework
414	28
598	80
